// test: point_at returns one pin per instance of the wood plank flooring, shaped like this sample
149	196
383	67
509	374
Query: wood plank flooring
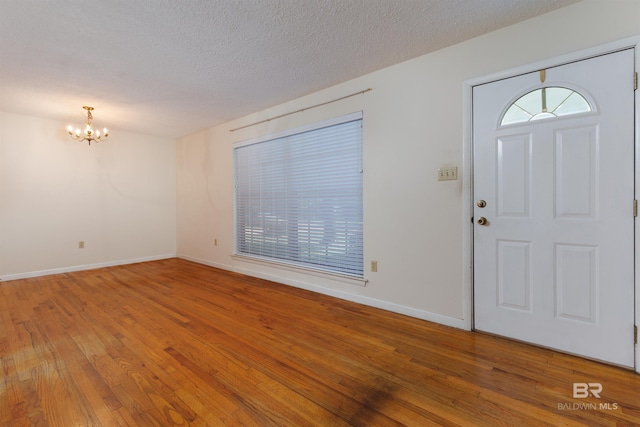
173	343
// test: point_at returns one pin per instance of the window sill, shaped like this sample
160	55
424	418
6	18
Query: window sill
344	278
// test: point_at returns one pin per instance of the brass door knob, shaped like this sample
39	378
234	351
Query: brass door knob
482	220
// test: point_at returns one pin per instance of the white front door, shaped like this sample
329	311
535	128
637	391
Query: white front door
553	207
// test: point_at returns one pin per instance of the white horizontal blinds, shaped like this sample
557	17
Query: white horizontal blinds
299	198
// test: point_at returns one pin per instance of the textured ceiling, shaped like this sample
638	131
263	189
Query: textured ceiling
170	68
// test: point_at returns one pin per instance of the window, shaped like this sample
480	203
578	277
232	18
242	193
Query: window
299	197
545	103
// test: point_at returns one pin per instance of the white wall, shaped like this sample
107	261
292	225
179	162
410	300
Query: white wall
117	196
413	124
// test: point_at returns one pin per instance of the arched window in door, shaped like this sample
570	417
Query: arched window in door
545	103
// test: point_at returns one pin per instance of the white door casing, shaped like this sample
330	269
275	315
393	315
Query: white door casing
554	264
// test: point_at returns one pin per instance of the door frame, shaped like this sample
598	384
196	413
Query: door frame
467	165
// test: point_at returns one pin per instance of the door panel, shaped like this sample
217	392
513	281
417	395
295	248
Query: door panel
514	175
514	275
554	260
577	282
576	154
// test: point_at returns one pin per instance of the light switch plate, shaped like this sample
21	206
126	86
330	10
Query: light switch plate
448	173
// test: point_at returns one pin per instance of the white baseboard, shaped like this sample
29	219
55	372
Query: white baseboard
372	302
70	269
205	262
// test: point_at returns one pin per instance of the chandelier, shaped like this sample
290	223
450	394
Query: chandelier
88	134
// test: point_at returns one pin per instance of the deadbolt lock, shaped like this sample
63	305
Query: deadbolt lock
482	220
481	203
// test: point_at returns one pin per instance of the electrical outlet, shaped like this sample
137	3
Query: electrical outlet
374	266
448	173
81	244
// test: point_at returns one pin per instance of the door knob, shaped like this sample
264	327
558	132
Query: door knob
481	203
482	221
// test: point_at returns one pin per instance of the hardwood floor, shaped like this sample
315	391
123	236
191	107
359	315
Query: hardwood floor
173	343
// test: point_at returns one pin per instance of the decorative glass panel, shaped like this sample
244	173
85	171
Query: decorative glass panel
545	103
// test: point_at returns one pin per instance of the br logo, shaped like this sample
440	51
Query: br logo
583	390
